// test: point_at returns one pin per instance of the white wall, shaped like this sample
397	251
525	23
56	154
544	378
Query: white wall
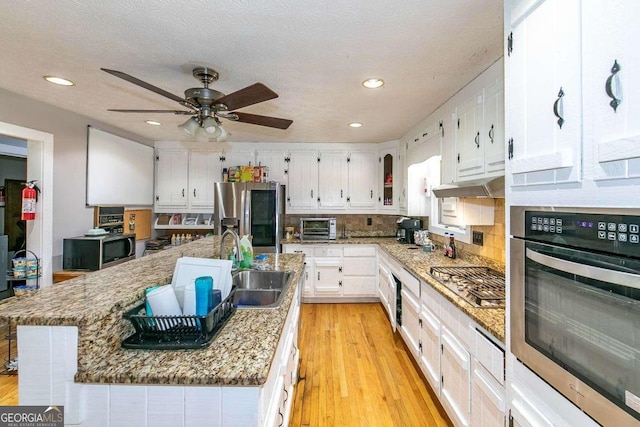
70	215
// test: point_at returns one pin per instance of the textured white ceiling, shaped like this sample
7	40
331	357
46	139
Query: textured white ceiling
313	53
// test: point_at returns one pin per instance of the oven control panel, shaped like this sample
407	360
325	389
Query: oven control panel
609	233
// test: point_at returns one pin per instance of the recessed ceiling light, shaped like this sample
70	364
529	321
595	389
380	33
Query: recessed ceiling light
355	125
373	83
58	80
152	122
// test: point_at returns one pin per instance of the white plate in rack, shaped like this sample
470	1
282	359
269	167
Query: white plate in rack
189	268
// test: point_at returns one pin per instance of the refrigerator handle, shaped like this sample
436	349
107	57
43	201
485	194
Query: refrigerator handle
245	227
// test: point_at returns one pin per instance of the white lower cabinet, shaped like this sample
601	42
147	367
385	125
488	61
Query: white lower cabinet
410	325
328	277
359	267
455	391
464	367
430	348
336	273
488	399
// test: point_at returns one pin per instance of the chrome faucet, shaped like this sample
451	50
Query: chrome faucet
236	238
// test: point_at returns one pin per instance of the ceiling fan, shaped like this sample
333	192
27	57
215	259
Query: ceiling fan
206	106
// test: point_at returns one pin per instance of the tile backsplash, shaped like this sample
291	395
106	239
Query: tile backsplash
493	246
356	225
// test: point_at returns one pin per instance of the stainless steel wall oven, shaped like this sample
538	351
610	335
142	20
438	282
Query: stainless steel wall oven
575	309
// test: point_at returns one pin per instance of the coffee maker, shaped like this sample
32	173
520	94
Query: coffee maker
406	227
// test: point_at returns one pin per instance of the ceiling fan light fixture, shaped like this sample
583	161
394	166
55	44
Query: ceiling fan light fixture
355	125
211	127
223	134
190	126
58	81
373	83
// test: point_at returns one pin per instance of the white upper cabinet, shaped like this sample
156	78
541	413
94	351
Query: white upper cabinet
388	198
470	138
184	179
493	137
302	188
275	161
172	178
363	168
237	158
610	67
332	179
449	131
204	170
543	91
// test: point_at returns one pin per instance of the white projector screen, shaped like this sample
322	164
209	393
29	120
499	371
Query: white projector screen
119	170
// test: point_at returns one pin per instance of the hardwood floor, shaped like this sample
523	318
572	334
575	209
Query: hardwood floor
357	372
8	383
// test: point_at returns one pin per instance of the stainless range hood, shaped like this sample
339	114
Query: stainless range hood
489	187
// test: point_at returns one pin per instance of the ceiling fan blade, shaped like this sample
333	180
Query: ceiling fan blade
151	111
248	96
255	119
152	88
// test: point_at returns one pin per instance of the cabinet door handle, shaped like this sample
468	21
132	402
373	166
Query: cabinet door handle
341	194
371	194
477	140
318	275
491	134
340	269
458	157
183	192
312	194
510	149
557	108
613	84
340	283
194	192
509	44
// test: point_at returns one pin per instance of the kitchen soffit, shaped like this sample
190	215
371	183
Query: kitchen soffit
313	54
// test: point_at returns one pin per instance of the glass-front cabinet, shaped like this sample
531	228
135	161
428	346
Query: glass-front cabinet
388	198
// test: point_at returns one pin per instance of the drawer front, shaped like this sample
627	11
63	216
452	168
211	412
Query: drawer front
332	251
359	286
490	356
299	249
360	251
359	266
410	282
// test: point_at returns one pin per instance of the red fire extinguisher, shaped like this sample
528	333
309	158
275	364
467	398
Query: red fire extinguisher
29	199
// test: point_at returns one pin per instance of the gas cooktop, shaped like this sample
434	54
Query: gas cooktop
482	287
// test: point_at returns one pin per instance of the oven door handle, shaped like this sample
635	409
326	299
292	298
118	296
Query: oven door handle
604	275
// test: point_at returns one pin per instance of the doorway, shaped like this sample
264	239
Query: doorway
39	232
14	226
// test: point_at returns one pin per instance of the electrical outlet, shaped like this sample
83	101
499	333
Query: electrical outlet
478	238
369	221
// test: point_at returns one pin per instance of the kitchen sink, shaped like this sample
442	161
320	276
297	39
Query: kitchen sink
260	289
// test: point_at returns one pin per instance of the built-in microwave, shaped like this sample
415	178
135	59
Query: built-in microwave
97	252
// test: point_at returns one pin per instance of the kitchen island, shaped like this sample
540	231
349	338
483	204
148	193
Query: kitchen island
69	339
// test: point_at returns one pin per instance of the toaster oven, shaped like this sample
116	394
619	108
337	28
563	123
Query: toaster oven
317	229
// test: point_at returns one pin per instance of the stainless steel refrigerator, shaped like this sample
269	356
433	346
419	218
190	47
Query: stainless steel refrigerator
256	209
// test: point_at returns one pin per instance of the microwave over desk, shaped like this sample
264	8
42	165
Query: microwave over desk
97	252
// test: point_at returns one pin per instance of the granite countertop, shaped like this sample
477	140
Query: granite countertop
419	263
240	354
